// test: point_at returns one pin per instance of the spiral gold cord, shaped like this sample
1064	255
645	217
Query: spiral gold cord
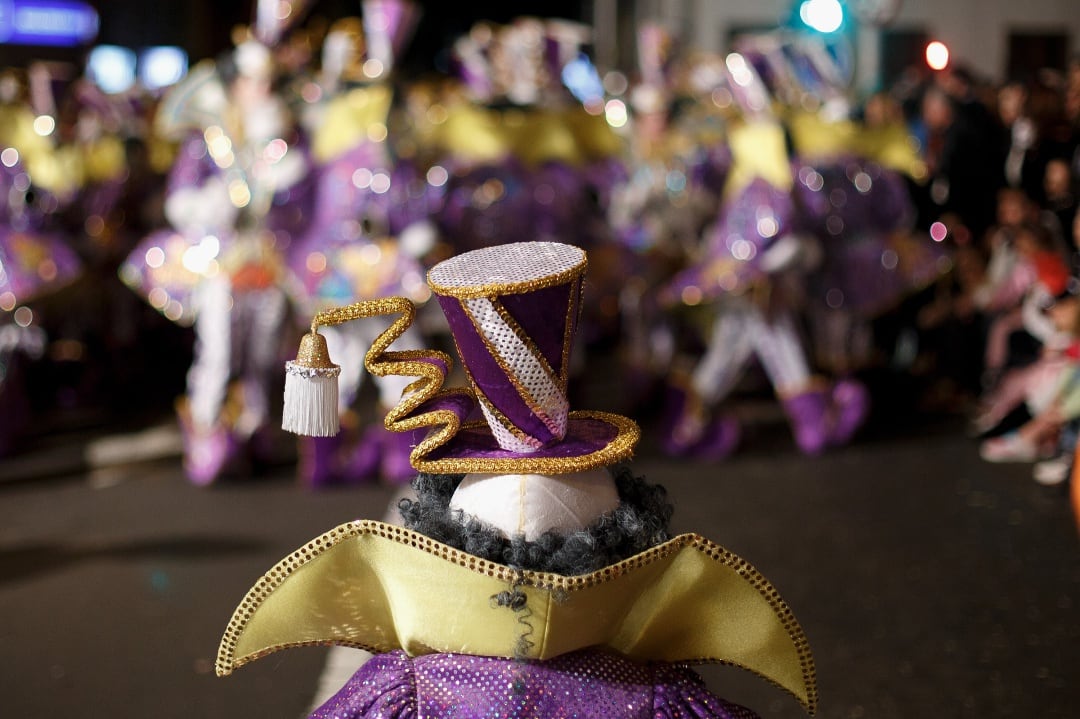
422	364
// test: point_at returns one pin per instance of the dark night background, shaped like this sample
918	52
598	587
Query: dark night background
203	27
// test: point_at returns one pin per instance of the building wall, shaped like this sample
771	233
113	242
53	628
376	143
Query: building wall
976	31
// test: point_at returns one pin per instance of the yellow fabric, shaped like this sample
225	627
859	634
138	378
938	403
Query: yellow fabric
480	135
56	169
348	118
890	146
104	159
162	153
59	171
893	147
758	149
815	137
381	587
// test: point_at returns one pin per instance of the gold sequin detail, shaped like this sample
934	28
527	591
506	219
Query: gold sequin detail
313	353
493	289
619	449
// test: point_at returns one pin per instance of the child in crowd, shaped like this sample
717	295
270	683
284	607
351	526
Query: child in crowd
1054	403
1007	278
1018	333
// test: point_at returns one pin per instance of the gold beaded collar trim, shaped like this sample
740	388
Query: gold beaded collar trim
380	587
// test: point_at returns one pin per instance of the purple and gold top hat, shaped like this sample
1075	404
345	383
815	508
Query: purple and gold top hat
513	313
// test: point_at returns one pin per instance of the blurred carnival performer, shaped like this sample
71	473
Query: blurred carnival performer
525	150
750	275
235	201
34	259
677	162
852	191
347	251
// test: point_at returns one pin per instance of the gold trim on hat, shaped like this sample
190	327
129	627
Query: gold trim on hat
494	289
619	449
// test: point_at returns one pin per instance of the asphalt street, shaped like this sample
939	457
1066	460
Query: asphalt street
928	582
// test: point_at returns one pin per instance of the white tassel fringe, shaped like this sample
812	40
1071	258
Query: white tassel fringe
311	402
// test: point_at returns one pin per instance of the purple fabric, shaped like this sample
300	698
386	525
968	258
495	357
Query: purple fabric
489	377
855	208
588	684
192	166
540	314
710	167
741	238
411	197
170	276
459	403
870	272
583	436
493	204
34	262
337	232
865	196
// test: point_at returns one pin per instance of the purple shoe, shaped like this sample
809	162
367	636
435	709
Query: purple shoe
719	440
317	465
688	434
807	413
208	455
850	403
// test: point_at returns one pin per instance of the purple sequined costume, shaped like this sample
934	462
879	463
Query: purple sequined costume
590	684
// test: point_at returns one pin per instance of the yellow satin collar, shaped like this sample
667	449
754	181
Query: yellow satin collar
352	117
890	146
104	159
381	587
58	169
476	134
758	149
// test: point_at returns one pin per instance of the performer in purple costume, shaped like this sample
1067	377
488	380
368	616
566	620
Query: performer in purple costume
235	199
750	277
525	159
35	260
346	252
743	277
565	593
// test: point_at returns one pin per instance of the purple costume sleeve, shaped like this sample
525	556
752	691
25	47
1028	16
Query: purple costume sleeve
193	165
589	684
